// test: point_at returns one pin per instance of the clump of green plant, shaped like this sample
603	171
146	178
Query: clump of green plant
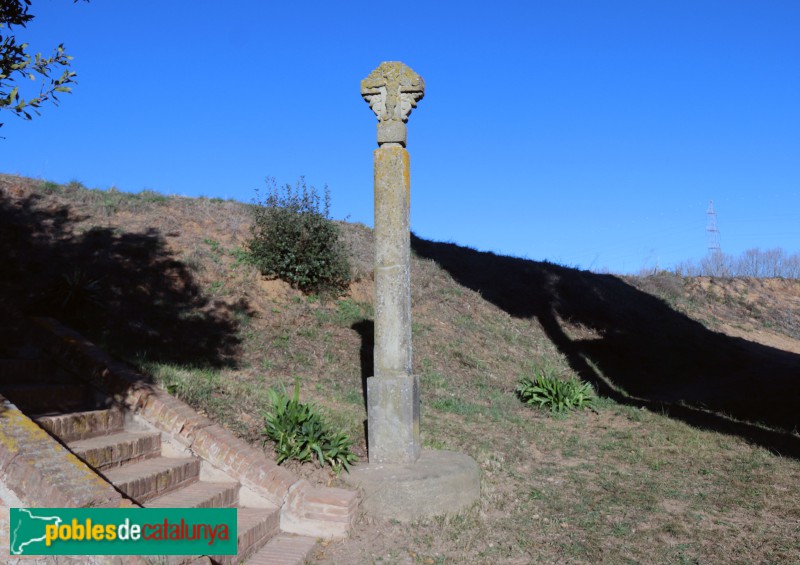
547	391
294	239
77	294
300	432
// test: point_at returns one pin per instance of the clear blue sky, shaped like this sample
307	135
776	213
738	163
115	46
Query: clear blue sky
584	132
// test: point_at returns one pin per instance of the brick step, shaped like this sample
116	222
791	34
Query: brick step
105	452
75	426
39	397
150	478
255	527
284	549
202	494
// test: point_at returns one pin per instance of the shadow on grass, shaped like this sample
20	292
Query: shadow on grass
127	292
366	330
660	358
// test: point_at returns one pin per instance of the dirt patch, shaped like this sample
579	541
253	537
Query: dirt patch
362	290
276	290
762	336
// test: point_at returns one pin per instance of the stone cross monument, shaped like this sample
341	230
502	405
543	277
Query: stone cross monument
392	91
401	481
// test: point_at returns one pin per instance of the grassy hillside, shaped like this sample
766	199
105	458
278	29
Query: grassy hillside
690	456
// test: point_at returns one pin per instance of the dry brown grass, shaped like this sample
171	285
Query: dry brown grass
660	474
771	305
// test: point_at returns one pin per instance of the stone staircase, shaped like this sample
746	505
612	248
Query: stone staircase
157	452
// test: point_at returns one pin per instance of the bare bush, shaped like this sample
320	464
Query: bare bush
755	263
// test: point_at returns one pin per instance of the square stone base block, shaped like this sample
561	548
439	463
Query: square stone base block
440	482
393	419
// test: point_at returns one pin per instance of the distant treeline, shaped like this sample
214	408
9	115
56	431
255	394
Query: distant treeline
770	263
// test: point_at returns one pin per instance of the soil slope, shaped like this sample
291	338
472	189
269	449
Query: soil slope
700	378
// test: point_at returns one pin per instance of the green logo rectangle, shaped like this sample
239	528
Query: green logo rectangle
122	531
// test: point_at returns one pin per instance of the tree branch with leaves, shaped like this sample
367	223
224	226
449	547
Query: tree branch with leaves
17	64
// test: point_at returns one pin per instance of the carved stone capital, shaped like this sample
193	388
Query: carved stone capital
392	91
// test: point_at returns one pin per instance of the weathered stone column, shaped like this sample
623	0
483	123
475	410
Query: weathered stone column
392	91
401	482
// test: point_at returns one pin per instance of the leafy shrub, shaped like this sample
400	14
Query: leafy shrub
300	432
545	391
294	239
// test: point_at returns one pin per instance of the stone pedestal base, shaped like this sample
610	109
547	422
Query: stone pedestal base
440	482
393	419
